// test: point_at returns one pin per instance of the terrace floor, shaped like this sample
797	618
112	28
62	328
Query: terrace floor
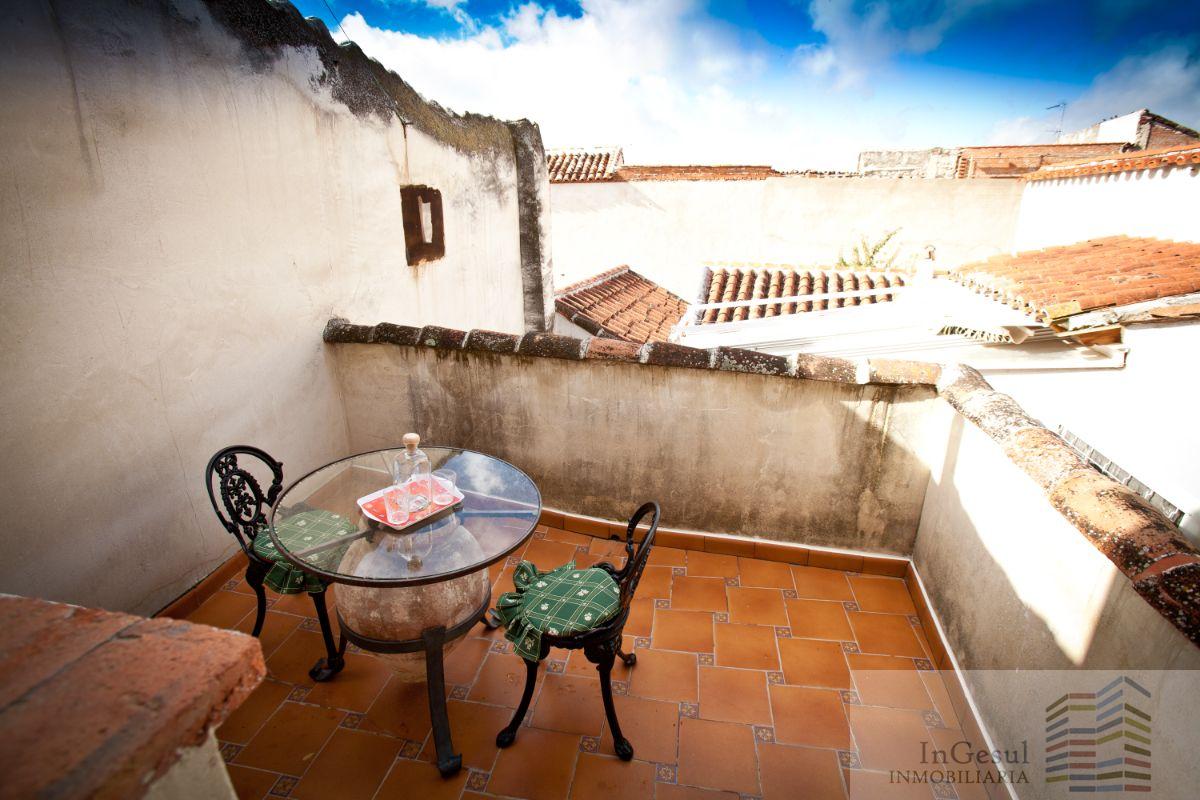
754	679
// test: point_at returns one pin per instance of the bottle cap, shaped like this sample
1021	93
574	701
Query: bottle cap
411	440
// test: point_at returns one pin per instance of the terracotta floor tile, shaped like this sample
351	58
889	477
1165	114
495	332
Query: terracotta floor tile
641	617
655	582
755	606
734	695
473	728
243	723
934	684
816	583
667	557
570	704
885	634
350	767
577	663
799	772
770	574
864	785
945	740
291	738
719	755
886	595
673	791
651	726
401	709
745	646
888	738
890	681
250	784
814	662
819	619
606	547
711	565
292	660
355	687
420	779
600	777
501	680
546	555
698	594
567	537
537	766
224	609
462	665
662	675
301	604
275	631
812	717
585	560
682	630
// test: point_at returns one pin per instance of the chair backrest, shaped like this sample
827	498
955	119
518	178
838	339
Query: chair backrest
243	502
635	563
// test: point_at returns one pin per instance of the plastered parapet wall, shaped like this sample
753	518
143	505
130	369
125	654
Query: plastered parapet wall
1162	566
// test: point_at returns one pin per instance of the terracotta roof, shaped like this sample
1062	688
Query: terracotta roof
583	165
724	285
1125	162
696	172
621	304
1061	281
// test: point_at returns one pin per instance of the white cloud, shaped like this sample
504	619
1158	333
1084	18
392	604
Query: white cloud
660	77
861	36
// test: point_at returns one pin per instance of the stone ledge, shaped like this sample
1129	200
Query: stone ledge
98	704
658	354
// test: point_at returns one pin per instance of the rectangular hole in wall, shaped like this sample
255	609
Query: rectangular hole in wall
424	231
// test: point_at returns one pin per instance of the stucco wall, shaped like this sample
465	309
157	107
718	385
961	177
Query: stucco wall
667	230
1017	588
795	460
1156	202
189	192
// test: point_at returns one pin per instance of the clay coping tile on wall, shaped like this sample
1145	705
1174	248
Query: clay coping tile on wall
98	704
1160	563
1175	156
1061	281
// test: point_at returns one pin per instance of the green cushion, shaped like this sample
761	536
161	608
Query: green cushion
299	532
560	602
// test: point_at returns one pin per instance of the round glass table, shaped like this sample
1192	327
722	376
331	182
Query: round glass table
411	595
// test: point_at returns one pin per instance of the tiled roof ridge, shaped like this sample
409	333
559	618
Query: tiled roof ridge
1177	155
1162	566
595	280
733	282
1063	280
1047	146
583	164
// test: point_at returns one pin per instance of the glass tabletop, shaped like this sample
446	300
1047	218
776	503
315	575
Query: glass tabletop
318	526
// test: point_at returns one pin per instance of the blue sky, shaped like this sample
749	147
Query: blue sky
803	84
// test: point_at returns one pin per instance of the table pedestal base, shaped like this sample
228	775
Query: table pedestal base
432	642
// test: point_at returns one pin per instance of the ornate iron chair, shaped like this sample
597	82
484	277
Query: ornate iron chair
241	511
601	644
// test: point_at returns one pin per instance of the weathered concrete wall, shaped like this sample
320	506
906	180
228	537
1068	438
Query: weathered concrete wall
1155	202
796	460
190	191
1018	588
789	220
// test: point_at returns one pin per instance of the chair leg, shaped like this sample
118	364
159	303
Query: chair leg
334	660
255	573
505	737
620	743
628	659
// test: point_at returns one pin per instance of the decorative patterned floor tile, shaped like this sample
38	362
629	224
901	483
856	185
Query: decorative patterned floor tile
620	687
944	791
733	581
641	643
932	718
775	678
849	759
556	667
411	749
539	534
229	751
477	781
459	692
923	664
353	720
790	594
499	646
764	733
850	647
679	570
689	710
590	744
850	696
783	633
850	605
914	620
706	659
284	786
665	773
721	616
662	602
299	694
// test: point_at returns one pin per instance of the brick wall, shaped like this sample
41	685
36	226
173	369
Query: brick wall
1007	161
1165	136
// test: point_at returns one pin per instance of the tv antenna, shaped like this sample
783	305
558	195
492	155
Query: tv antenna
1062	115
